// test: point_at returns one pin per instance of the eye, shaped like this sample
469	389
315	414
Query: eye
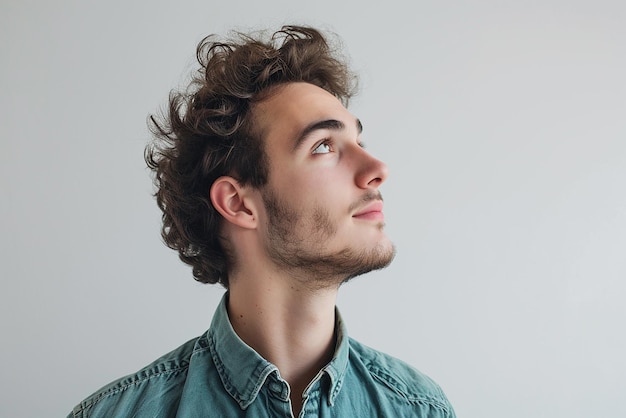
323	148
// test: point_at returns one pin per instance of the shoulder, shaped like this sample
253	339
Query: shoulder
399	377
151	388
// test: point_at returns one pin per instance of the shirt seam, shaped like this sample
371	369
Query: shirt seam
395	385
95	399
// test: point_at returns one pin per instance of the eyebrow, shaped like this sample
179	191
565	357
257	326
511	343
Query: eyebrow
330	124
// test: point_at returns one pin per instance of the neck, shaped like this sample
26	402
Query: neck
289	325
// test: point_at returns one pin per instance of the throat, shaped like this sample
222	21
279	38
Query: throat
295	331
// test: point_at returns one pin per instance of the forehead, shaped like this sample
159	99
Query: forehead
294	106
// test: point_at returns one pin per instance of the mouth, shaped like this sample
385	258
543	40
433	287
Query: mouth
371	212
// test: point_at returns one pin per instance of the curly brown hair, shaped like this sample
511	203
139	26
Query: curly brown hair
208	131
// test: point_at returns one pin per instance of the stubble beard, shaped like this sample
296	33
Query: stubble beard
297	243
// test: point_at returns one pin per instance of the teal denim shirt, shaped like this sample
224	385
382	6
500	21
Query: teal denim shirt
218	375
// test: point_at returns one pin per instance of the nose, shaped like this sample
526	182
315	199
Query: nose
371	172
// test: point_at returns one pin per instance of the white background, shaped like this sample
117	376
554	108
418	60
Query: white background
504	127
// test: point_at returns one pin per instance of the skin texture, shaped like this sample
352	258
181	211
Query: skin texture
317	183
317	223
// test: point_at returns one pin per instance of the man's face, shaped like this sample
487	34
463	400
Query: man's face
324	219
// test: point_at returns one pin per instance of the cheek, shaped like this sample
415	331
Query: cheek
325	190
317	186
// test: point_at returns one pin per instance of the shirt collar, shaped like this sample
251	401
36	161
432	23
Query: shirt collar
336	369
244	372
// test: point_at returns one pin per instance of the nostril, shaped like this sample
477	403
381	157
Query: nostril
375	181
371	172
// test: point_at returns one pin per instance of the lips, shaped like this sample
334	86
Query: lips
373	211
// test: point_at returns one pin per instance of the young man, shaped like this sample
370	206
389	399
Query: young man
265	187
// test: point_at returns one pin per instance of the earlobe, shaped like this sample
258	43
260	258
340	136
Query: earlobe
229	199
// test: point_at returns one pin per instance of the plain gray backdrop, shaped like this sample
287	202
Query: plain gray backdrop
504	127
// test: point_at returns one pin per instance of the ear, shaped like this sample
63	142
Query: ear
231	200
